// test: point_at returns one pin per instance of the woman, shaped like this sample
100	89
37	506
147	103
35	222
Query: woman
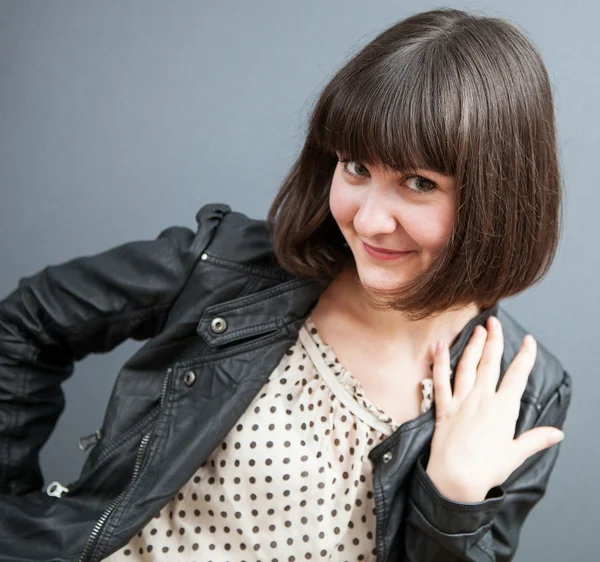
282	408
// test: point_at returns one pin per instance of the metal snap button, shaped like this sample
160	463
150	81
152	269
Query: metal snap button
189	378
387	457
218	325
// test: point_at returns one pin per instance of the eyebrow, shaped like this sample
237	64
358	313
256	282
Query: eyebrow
406	172
411	171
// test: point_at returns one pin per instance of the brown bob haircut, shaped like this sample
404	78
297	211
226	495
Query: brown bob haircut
456	93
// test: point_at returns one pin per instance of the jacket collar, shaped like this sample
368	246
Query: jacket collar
465	334
286	306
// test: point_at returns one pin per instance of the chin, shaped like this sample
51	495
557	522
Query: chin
381	281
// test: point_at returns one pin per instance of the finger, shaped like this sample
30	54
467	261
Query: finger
442	390
515	379
466	370
488	371
535	440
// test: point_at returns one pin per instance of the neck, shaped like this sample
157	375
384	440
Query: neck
391	329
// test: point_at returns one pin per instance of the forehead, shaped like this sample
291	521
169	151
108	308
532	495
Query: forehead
401	115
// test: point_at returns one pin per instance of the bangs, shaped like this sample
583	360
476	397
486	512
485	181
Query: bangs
444	91
402	112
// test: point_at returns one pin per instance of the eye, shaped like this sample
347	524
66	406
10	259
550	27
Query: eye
359	169
423	184
356	170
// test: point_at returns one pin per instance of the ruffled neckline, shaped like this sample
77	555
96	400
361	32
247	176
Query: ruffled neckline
345	377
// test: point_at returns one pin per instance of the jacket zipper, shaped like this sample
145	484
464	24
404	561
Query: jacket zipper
88	441
56	489
92	540
379	528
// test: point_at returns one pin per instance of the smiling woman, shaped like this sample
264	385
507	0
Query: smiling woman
378	209
338	381
463	101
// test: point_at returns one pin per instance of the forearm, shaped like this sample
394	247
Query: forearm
31	399
62	314
442	530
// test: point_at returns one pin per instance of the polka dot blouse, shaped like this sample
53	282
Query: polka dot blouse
290	482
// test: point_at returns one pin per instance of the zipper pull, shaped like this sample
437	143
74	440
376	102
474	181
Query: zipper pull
56	489
88	441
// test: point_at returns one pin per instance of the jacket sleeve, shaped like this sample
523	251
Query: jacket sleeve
441	530
65	312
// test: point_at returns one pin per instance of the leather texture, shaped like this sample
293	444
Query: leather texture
158	429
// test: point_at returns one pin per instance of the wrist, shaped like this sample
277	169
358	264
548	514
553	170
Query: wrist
455	491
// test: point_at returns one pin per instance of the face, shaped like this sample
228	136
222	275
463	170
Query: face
388	210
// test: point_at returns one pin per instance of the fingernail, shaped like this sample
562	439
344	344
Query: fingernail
559	435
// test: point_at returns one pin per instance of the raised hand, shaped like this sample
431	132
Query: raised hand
473	447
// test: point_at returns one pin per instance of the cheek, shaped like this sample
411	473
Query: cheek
343	207
430	227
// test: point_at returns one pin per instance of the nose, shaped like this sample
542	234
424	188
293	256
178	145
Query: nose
375	216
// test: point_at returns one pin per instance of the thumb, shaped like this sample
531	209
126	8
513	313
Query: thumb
535	440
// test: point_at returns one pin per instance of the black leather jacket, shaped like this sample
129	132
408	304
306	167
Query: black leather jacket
218	314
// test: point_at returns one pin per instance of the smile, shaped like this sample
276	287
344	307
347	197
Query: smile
387	255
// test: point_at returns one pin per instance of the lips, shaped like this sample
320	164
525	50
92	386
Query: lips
385	255
384	250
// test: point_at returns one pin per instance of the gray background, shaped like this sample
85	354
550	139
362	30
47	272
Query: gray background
118	119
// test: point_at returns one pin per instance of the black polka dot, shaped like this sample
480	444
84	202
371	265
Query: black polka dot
342	439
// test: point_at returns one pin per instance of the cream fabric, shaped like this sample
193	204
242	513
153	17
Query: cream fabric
290	482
